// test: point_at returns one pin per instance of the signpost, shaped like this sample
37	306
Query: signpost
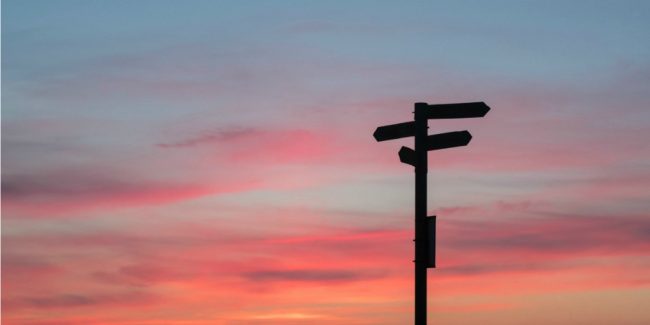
425	227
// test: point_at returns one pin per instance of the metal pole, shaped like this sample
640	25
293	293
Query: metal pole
421	170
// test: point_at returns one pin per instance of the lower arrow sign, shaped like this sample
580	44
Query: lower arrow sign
435	142
448	140
407	156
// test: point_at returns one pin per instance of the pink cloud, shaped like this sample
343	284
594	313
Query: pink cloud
66	301
238	272
69	192
262	146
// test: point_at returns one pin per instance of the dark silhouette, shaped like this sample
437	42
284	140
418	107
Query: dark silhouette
425	227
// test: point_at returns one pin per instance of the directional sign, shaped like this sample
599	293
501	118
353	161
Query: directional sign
425	226
407	156
435	142
394	131
460	110
448	140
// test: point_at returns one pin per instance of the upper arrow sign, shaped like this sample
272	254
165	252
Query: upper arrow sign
394	131
460	110
448	140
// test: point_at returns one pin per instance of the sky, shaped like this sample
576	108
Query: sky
212	162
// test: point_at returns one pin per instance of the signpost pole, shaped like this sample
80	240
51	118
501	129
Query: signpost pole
421	242
425	226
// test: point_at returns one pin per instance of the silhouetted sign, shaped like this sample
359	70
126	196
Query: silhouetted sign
394	131
407	156
435	142
460	110
425	226
431	242
448	140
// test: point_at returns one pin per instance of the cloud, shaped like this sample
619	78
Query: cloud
243	145
321	276
555	234
214	137
547	245
64	301
20	270
60	192
26	267
237	269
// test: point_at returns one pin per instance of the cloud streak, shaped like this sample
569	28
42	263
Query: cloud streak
320	276
61	192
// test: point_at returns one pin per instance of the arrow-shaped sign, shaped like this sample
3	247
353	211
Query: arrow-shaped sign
460	110
448	140
435	142
440	111
407	156
394	131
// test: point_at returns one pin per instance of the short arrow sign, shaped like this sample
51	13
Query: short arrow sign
448	140
394	131
407	156
460	110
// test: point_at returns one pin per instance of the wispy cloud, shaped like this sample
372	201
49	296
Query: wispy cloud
321	276
214	137
64	301
60	192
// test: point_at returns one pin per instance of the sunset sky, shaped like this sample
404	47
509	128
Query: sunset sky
212	162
